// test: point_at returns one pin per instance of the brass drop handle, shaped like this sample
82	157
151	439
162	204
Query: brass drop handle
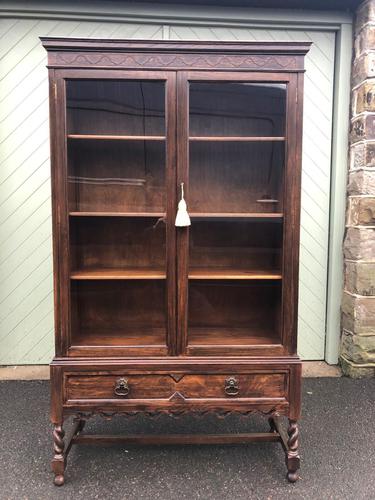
231	386
122	387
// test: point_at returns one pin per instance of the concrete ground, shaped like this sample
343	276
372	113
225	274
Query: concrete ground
337	449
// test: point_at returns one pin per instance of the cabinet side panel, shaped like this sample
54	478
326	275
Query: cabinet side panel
292	195
55	186
60	215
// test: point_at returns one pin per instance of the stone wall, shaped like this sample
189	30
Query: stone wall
358	303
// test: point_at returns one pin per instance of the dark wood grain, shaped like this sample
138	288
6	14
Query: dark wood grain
140	54
188	387
111	313
110	273
175	313
289	441
101	338
235	215
158	215
173	439
108	137
101	181
182	241
236	177
213	273
292	197
171	177
116	109
118	243
231	138
247	245
219	313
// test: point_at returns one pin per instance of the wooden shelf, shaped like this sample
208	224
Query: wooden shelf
100	137
233	274
117	214
118	274
230	336
236	215
154	337
156	274
193	215
230	138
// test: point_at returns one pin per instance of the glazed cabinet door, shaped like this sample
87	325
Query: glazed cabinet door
236	147
116	204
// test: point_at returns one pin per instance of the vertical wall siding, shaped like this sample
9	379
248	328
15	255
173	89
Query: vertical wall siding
26	303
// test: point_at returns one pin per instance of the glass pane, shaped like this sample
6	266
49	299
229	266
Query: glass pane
235	198
239	248
126	171
113	313
115	107
116	176
117	201
236	177
234	312
237	109
129	246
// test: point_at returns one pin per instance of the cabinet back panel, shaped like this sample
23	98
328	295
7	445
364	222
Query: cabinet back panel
110	175
226	309
234	176
118	243
236	244
118	305
237	109
115	107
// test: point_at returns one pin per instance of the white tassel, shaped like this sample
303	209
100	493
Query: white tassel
182	217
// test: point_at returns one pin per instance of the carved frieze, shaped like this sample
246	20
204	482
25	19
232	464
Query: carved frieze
173	61
174	412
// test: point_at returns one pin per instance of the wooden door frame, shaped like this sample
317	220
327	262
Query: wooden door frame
60	219
292	191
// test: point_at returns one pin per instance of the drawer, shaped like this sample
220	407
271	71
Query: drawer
174	387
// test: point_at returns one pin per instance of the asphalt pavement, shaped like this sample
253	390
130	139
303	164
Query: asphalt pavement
337	451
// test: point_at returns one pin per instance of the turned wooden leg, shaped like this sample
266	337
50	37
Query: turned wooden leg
292	458
58	461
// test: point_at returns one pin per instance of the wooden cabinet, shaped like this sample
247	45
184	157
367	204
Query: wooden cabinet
151	317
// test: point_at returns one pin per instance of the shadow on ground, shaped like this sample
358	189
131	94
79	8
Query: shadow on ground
337	450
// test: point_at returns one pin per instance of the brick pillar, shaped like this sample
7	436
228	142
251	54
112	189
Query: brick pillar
358	303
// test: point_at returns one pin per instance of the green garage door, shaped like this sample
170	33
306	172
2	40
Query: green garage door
26	303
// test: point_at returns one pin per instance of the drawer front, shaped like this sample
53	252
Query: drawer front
230	386
175	387
118	386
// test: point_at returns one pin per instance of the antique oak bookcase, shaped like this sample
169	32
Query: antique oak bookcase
150	317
